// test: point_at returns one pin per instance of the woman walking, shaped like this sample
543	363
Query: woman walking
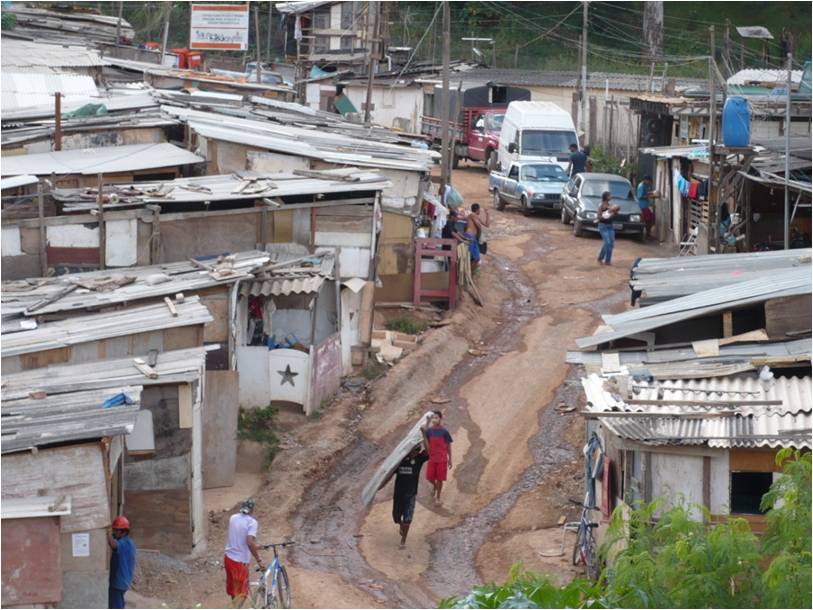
606	213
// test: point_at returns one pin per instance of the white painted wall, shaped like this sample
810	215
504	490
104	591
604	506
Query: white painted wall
403	194
10	241
72	236
390	103
676	478
255	388
121	242
350	334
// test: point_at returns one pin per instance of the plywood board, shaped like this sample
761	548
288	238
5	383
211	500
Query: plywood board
255	376
193	237
218	329
183	337
220	412
31	567
73	236
160	519
77	471
788	314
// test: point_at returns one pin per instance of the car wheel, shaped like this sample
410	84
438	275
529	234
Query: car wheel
499	204
526	208
565	220
491	160
578	229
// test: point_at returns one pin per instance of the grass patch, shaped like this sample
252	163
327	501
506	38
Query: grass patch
406	324
374	369
258	425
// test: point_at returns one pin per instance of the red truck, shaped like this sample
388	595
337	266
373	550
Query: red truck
480	111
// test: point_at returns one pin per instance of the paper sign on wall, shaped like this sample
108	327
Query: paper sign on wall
81	544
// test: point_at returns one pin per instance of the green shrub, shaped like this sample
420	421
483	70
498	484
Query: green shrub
406	324
258	425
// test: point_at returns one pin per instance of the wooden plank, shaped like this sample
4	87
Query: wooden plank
75	256
185	406
728	324
787	315
145	368
161	519
706	481
171	306
753	460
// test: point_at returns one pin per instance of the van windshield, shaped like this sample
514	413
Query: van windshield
538	172
536	142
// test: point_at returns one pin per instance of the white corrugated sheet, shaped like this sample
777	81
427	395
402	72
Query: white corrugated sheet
16	181
285	286
109	160
785	425
28	56
756	77
24	90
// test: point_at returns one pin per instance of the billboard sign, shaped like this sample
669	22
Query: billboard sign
220	27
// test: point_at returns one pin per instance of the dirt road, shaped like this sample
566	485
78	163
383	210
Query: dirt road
517	457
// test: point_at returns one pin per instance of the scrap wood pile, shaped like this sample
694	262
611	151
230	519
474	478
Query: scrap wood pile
464	277
78	24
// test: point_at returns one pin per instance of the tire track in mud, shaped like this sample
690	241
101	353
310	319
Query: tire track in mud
331	513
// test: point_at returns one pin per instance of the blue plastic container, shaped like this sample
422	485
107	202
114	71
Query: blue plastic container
736	122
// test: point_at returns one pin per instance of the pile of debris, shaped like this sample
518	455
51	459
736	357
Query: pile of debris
76	25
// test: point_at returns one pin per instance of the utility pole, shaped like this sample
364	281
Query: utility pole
373	54
257	39
445	173
583	92
653	28
787	154
713	196
165	37
712	95
268	34
118	24
727	49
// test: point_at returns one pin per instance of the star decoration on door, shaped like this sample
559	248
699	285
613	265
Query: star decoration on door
287	375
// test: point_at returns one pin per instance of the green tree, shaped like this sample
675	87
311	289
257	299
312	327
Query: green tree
669	559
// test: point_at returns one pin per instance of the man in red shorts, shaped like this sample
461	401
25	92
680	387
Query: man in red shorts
439	444
240	546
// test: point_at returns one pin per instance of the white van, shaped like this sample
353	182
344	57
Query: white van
536	131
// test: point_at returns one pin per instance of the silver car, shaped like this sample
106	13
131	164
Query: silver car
582	196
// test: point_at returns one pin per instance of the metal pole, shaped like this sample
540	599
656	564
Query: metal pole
583	110
257	39
372	56
787	154
445	174
43	237
118	24
57	121
102	229
165	37
714	211
268	34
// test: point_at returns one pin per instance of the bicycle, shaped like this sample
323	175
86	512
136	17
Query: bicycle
278	594
585	551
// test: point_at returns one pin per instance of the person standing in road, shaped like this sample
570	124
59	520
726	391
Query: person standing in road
645	195
122	561
485	221
241	544
606	213
407	475
439	446
578	161
472	236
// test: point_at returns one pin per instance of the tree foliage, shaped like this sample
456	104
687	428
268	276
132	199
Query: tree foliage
667	558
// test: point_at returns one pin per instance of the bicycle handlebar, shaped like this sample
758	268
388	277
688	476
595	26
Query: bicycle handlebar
279	544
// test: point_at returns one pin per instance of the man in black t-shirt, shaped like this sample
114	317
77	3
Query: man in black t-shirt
407	475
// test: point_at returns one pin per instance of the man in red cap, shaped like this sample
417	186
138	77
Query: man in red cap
122	561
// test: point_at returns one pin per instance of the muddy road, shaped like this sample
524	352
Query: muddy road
499	375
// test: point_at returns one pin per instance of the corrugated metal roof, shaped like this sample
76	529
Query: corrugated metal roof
120	323
37	506
668	152
78	416
27	56
306	142
788	424
98	289
23	90
227	187
751	76
109	160
177	366
783	283
17	181
666	278
299	7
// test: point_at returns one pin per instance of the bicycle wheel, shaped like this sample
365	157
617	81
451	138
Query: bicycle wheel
281	595
591	562
578	558
260	599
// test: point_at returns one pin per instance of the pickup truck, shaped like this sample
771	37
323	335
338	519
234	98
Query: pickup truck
532	185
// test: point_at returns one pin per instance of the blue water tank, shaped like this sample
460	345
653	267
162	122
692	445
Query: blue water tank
736	122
